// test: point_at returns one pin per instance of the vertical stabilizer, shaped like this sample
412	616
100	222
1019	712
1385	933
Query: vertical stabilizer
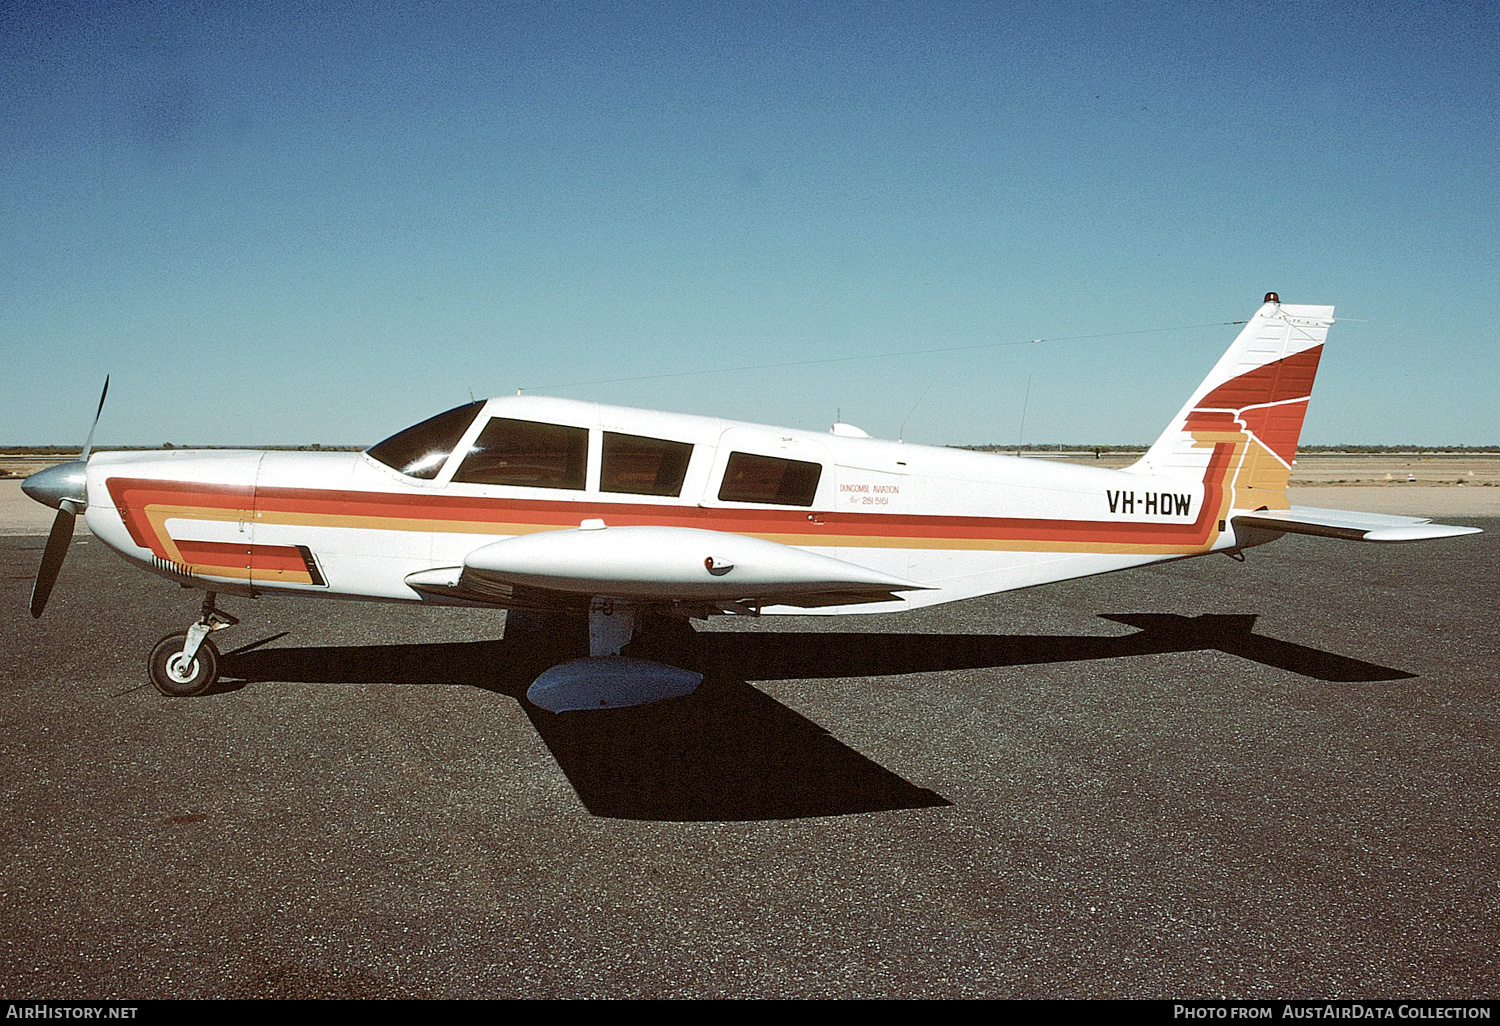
1254	401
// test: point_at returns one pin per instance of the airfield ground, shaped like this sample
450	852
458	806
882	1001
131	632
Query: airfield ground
1204	779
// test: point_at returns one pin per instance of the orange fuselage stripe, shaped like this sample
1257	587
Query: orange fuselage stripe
146	505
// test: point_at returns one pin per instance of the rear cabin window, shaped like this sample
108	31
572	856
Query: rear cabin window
421	450
643	466
769	479
527	454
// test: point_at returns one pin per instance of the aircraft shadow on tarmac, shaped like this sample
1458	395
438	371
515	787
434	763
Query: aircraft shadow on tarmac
729	751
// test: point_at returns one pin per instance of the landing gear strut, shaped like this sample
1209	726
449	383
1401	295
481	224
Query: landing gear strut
187	663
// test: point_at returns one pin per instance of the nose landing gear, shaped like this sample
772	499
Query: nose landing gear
186	663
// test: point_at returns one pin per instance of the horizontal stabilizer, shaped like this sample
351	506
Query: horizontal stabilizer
1338	523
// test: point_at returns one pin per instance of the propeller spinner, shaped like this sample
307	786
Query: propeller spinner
64	488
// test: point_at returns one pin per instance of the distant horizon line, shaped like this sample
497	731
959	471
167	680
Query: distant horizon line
1356	448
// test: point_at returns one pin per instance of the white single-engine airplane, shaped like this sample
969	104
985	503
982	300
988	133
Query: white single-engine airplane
542	504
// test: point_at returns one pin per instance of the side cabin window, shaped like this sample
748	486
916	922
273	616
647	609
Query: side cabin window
769	479
637	465
421	450
527	454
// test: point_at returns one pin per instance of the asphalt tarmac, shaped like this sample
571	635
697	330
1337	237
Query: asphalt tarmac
1205	779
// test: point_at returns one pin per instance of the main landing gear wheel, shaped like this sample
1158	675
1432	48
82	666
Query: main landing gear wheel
181	678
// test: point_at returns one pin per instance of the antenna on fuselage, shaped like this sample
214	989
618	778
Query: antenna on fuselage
901	434
1020	435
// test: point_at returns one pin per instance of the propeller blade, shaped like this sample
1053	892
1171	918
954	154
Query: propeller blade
89	444
52	557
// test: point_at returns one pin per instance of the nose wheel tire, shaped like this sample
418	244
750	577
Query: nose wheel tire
181	678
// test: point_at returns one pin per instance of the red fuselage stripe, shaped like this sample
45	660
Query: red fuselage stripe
812	527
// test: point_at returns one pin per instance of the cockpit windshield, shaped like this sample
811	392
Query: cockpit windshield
421	450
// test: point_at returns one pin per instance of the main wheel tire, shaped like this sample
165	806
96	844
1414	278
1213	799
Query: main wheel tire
177	681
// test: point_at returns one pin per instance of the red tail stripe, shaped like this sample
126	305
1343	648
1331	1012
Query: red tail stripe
1289	378
1278	427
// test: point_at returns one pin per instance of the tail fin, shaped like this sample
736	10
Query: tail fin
1254	399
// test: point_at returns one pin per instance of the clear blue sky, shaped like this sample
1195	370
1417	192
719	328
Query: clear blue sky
321	224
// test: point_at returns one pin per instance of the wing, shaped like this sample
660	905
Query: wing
708	569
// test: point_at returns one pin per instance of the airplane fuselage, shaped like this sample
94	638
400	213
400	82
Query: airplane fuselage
957	523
